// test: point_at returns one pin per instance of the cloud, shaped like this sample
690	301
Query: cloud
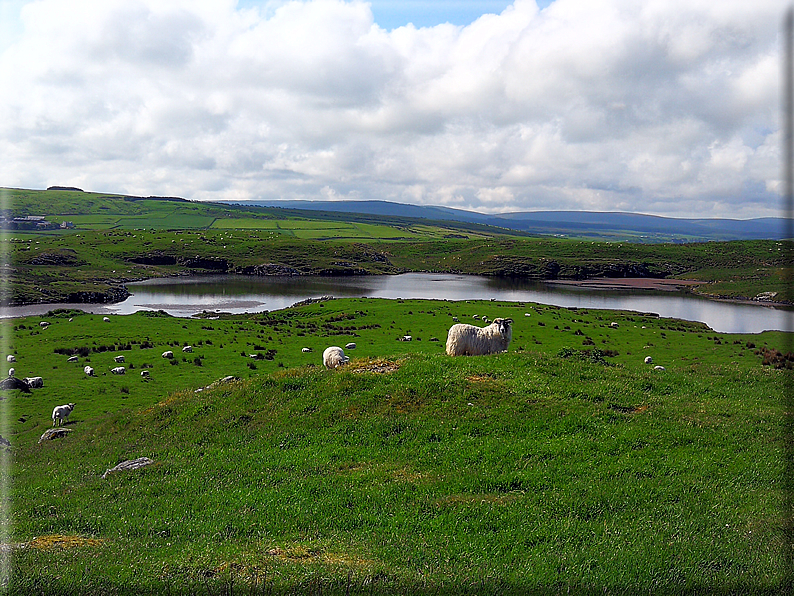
659	106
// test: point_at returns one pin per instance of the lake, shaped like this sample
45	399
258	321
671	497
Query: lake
186	296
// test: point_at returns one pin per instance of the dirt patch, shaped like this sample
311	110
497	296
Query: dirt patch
480	379
60	542
374	365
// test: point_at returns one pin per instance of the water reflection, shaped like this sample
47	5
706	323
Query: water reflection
237	294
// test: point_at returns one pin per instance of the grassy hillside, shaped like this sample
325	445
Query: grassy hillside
550	468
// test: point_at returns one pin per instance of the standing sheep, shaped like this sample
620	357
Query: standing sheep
168	354
61	414
468	340
334	357
89	370
119	370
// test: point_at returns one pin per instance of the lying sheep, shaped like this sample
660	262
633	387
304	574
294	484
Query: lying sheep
61	414
72	359
145	373
119	359
89	371
168	354
648	360
187	349
11	358
468	340
106	319
44	324
334	356
119	370
306	350
350	346
34	382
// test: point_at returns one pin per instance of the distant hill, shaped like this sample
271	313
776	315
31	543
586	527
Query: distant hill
633	227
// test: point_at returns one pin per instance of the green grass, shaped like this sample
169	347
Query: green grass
533	470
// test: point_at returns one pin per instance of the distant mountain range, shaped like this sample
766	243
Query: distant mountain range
633	227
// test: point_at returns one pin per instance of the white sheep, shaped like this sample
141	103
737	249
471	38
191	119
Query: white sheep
11	358
11	372
145	373
61	414
88	370
119	370
187	349
168	354
106	319
468	340
44	324
648	360
306	350
456	319
657	367
350	346
72	359
334	356
119	359
614	325
34	382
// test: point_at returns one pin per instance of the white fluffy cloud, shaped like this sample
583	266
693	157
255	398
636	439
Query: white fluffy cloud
656	106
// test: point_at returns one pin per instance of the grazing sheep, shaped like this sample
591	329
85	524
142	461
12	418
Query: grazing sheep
468	340
11	372
526	314
11	358
187	349
484	319
406	338
614	325
306	350
456	319
168	354
657	367
334	356
72	359
350	346
44	324
119	359
89	371
145	373
61	414
34	382
475	316
119	370
648	360
106	319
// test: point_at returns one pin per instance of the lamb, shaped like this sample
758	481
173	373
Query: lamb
61	414
468	340
34	382
334	356
169	354
88	370
119	370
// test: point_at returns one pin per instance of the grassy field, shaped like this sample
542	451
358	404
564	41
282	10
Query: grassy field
565	465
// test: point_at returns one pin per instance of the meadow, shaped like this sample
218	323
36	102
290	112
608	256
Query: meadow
566	465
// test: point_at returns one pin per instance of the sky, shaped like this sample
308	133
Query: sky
665	107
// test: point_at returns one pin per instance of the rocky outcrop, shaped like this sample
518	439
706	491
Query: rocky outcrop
112	294
267	269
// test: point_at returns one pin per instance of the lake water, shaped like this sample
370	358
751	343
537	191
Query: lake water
186	296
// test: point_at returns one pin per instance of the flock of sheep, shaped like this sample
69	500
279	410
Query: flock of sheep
462	340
